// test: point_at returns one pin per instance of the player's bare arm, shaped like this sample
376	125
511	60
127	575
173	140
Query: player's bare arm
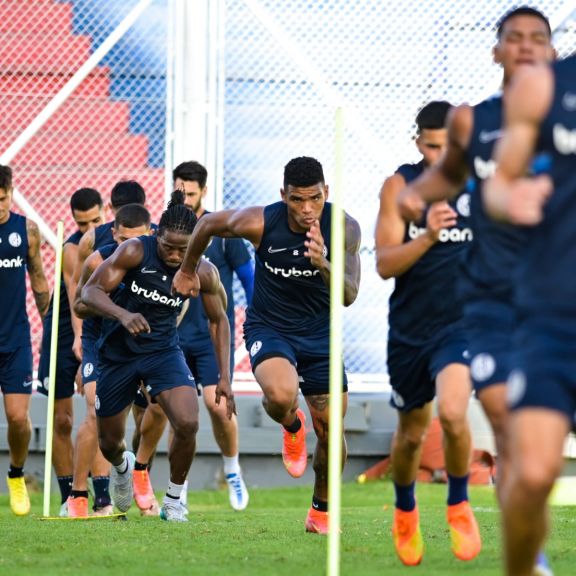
90	264
247	223
38	280
214	301
445	179
393	255
508	195
85	248
315	251
106	278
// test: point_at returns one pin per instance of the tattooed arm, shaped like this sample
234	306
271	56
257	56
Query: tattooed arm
35	270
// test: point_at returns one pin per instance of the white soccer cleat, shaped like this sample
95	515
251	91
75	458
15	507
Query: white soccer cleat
121	484
173	511
63	510
237	491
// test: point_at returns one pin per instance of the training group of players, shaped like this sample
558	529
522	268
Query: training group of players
478	236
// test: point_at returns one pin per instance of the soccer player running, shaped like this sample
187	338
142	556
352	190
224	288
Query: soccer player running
427	342
87	211
539	119
288	322
19	251
230	256
132	221
139	343
523	38
87	456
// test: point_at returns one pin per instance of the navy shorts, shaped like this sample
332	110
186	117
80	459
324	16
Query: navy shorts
490	326
309	355
66	369
203	365
90	366
16	370
413	369
544	374
118	382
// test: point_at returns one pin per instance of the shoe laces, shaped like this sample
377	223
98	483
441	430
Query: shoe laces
19	488
235	481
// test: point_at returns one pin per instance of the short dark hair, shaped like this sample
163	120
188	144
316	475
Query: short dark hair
177	217
191	172
132	216
302	172
127	192
521	11
85	199
433	115
5	178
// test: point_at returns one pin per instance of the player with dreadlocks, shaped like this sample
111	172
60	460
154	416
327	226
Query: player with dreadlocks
139	342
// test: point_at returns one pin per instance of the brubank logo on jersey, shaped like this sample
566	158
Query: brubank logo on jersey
17	262
155	296
446	235
564	139
291	272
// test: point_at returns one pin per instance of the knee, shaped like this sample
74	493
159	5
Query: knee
63	423
185	428
535	477
322	430
409	439
452	415
109	444
18	419
278	401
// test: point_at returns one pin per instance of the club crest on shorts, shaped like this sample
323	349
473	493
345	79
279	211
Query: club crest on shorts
255	348
516	387
97	403
397	399
482	367
88	369
15	239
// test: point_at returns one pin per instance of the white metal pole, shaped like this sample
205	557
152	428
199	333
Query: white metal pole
169	134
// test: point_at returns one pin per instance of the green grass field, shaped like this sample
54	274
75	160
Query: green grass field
266	539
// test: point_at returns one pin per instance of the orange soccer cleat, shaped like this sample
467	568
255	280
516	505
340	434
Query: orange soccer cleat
316	521
464	533
294	453
77	507
143	493
408	537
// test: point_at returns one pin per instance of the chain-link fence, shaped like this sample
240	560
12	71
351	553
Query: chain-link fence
111	127
288	65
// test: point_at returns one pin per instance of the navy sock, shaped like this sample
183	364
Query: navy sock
457	489
405	497
293	428
139	466
101	491
14	472
65	484
78	493
319	505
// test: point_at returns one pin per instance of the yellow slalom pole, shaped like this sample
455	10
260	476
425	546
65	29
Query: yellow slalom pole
52	372
336	353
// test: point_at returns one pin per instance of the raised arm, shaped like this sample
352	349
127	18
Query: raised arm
393	255
246	223
445	179
38	280
315	251
90	264
106	278
508	195
214	301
